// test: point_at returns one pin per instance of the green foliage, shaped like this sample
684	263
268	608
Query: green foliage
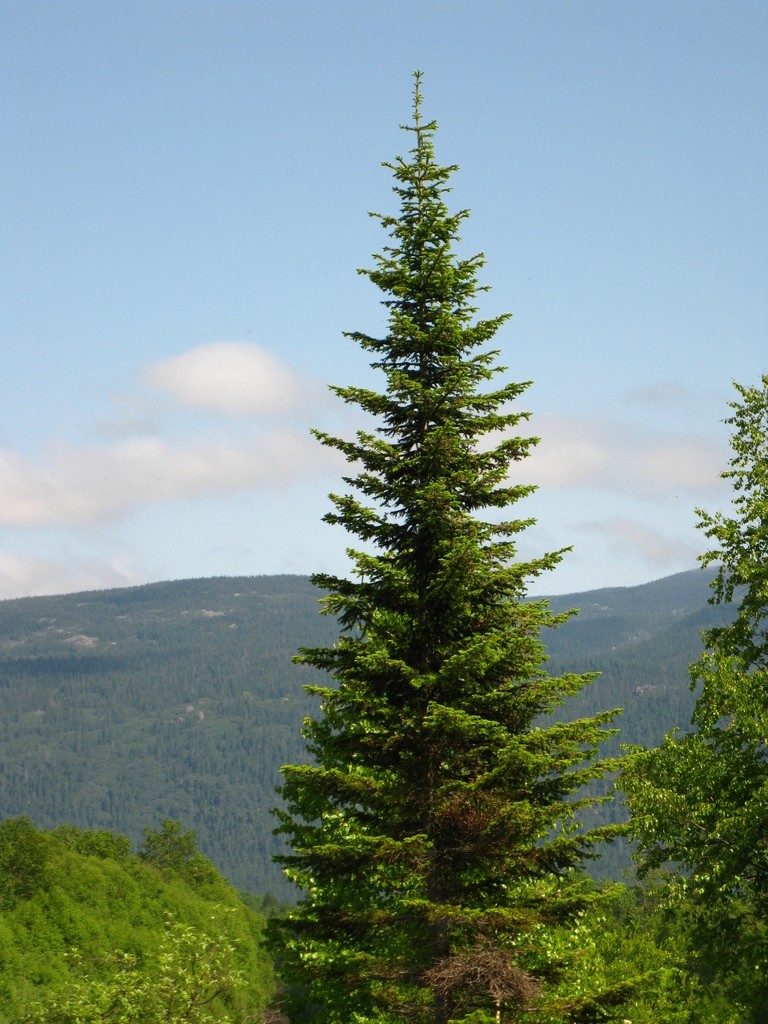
184	983
94	843
23	855
175	851
101	934
626	944
435	836
741	539
700	965
701	799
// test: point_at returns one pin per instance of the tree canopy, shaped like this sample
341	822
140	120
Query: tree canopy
701	798
91	932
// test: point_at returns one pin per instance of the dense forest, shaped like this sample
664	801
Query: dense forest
180	700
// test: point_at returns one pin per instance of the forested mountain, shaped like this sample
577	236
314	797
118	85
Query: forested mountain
641	640
179	700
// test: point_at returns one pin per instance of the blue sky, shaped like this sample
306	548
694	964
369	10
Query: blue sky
184	188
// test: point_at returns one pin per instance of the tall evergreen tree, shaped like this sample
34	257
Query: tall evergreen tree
434	835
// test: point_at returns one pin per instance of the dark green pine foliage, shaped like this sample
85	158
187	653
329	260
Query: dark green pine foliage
434	833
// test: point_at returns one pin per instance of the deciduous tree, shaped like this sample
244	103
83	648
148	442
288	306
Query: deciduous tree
435	835
701	799
182	985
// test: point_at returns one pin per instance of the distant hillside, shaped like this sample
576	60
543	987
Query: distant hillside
126	706
641	640
123	707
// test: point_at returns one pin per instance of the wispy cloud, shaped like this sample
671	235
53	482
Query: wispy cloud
136	465
80	486
74	486
230	377
22	575
656	547
607	456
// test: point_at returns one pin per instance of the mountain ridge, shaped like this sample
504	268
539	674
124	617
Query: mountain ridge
179	698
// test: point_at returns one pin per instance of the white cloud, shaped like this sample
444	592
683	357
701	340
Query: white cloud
654	546
24	576
605	455
81	486
235	378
